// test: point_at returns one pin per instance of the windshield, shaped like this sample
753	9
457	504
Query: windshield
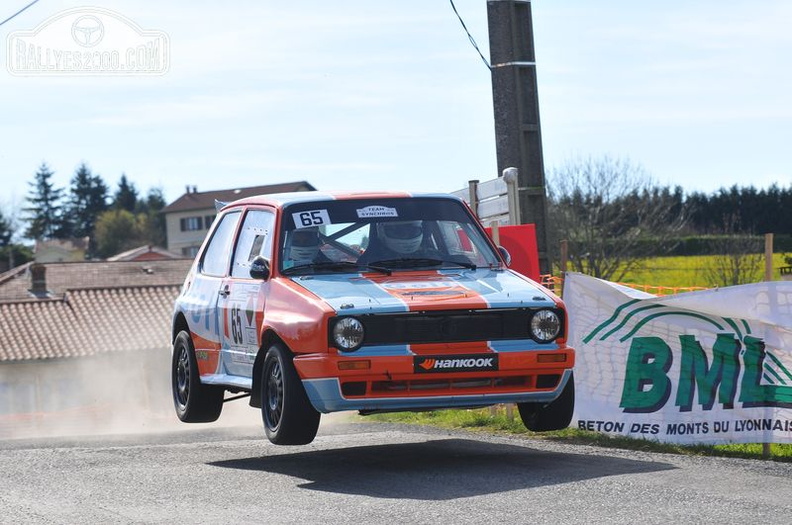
381	235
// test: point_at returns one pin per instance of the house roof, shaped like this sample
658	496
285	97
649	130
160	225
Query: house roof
87	322
206	199
93	307
144	253
16	284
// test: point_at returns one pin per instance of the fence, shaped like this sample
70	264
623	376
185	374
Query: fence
556	284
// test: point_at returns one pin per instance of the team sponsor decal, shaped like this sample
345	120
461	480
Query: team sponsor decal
455	363
414	285
376	211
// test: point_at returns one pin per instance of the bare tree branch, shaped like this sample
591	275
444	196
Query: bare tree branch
612	214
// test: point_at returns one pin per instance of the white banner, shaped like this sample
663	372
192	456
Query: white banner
708	367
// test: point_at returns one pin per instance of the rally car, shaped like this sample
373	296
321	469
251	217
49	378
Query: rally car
312	303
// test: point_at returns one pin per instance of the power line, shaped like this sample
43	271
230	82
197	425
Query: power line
18	12
470	37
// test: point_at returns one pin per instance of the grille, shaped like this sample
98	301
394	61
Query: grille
450	327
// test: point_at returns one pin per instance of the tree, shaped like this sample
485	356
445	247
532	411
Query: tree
738	257
155	220
118	231
88	199
126	196
45	213
6	230
612	214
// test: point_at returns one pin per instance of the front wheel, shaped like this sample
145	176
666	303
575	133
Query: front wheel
288	416
194	401
555	415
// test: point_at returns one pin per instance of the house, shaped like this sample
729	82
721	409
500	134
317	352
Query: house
145	253
189	217
60	250
86	343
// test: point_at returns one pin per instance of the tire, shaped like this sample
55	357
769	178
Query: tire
555	415
288	416
194	401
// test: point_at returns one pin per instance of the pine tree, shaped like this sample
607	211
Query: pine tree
126	196
6	230
155	220
45	213
88	199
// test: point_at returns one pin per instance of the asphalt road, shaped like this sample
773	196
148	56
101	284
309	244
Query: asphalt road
374	473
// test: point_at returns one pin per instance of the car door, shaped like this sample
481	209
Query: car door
241	300
201	300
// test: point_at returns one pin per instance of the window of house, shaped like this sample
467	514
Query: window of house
189	224
255	238
218	252
208	220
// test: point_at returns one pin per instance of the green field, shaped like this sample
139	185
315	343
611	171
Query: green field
689	271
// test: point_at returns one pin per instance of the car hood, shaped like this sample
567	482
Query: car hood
352	294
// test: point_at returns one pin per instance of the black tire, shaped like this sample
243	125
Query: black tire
194	401
288	416
555	415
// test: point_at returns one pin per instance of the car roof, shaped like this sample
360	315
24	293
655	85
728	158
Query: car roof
280	200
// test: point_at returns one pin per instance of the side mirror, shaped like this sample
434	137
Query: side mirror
505	255
260	268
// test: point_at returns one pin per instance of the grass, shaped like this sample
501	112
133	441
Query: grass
685	271
499	423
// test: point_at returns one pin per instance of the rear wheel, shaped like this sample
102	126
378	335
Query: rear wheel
555	415
194	401
288	416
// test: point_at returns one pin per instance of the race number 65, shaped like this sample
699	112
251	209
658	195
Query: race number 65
306	219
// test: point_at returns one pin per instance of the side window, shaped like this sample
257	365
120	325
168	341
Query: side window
218	253
255	238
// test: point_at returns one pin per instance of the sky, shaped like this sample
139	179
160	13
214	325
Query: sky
367	95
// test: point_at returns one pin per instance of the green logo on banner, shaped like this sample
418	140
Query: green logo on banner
648	387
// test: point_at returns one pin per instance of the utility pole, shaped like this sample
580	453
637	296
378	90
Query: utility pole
518	136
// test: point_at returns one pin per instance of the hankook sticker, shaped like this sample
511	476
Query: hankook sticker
455	363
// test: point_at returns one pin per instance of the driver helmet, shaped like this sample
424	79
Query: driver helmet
403	237
304	245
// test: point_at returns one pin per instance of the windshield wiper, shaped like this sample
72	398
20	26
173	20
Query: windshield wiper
333	265
422	261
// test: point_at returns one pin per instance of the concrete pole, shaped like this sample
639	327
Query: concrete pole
518	137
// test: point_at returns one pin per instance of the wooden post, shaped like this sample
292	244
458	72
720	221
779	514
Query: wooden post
495	232
473	192
564	260
766	447
564	256
510	175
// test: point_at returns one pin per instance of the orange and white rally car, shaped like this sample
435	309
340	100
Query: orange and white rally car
313	303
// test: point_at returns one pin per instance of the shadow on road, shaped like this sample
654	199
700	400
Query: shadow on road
440	469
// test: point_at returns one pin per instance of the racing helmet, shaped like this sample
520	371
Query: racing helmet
403	237
304	245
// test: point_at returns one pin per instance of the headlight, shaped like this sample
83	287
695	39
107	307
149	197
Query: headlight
348	334
545	325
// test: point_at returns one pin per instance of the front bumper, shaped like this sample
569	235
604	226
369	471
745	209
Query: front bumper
391	382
